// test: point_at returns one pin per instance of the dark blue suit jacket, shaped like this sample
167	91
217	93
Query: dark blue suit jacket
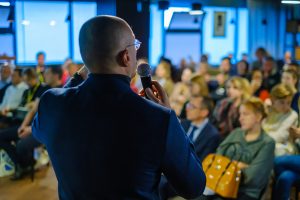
106	142
208	140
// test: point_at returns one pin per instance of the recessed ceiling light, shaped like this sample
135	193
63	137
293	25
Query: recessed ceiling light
196	12
290	2
4	3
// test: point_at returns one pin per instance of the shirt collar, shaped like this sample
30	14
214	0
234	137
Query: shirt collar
201	124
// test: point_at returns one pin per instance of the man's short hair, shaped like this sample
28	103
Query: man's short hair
40	53
19	71
30	73
99	40
56	70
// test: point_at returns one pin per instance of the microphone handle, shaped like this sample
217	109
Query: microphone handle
146	82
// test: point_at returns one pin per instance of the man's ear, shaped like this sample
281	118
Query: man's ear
123	58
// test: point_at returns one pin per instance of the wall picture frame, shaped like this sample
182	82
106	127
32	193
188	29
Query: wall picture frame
219	24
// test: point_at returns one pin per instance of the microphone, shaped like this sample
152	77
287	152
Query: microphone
144	71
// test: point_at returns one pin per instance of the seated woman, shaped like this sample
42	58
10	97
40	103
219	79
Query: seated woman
257	88
290	77
163	76
252	147
226	115
181	92
287	171
280	119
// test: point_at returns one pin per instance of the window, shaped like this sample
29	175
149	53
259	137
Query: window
6	41
156	35
81	11
41	26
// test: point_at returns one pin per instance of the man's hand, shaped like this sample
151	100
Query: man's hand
156	94
83	72
24	131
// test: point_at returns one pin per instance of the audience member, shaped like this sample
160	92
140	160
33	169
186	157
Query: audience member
252	148
217	87
287	171
5	79
226	115
201	132
181	92
242	69
198	127
21	153
72	68
13	95
285	62
53	77
40	67
280	119
36	88
290	77
245	57
257	88
270	74
203	71
198	87
64	67
260	54
163	76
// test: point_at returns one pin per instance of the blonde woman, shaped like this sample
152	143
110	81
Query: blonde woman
280	119
226	115
163	76
181	92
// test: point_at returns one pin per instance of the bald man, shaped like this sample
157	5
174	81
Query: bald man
105	141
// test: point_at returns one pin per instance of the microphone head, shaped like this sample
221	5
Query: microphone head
144	70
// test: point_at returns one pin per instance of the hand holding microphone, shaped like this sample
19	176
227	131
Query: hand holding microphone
152	90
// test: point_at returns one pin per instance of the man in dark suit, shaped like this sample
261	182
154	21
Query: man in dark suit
201	132
105	141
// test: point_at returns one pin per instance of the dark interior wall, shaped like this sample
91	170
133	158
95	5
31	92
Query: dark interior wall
136	13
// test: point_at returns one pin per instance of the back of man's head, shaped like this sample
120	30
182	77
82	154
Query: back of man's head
100	40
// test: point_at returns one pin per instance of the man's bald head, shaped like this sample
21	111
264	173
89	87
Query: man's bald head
101	39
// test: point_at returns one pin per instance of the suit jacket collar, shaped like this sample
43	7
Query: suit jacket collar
108	82
204	134
113	77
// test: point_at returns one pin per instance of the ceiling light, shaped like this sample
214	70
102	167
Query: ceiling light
196	12
4	3
25	22
52	23
290	2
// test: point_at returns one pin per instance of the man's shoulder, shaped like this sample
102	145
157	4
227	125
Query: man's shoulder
213	131
147	105
56	94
